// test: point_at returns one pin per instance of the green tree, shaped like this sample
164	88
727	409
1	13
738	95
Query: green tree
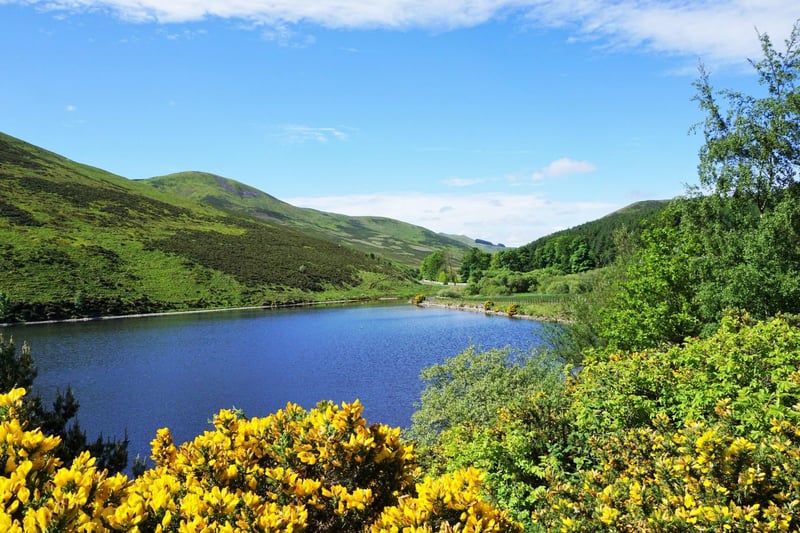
434	264
473	264
734	242
752	147
580	260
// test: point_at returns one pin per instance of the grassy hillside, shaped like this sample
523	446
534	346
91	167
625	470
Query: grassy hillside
78	241
397	241
584	247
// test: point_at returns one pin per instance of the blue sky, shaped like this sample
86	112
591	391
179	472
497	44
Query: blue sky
503	120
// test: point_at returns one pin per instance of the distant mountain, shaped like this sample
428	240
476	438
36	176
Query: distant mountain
397	241
79	241
584	247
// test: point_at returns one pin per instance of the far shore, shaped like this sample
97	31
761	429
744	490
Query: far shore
193	312
478	308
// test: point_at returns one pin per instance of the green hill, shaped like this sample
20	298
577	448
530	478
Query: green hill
397	241
584	247
78	241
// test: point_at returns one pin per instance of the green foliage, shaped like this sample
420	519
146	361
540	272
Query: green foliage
751	148
702	435
750	367
584	247
497	410
438	266
473	264
5	307
738	247
449	293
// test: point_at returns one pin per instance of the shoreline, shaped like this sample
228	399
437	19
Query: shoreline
426	303
191	312
480	309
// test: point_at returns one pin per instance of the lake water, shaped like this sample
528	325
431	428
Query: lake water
177	371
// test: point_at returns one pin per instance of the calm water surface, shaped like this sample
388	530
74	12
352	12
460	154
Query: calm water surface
177	371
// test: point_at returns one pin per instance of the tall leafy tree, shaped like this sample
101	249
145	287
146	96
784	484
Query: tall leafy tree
474	262
752	147
734	243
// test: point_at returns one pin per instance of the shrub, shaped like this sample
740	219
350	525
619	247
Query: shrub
318	470
418	299
488	305
699	437
512	309
449	293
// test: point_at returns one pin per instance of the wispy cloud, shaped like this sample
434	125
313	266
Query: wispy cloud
511	219
463	182
296	133
719	30
71	108
563	167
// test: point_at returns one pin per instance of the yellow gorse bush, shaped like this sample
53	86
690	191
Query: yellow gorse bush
318	470
440	503
36	492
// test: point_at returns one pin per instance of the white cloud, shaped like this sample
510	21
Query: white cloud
716	30
71	108
295	133
563	167
463	182
511	219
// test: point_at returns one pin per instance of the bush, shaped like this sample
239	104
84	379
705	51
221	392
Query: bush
318	470
699	437
512	309
449	293
418	299
499	410
488	305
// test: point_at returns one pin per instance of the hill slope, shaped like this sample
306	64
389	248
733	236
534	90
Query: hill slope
78	241
397	241
584	247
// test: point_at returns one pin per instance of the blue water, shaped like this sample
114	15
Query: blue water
177	371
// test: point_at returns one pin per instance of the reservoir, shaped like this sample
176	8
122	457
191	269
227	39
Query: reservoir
177	371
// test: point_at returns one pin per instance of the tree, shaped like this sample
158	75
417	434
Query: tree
752	149
432	265
580	260
17	370
438	266
474	262
734	242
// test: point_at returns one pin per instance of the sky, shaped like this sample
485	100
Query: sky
503	120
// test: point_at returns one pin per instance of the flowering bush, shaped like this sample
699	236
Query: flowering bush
444	501
696	478
36	492
700	437
317	470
